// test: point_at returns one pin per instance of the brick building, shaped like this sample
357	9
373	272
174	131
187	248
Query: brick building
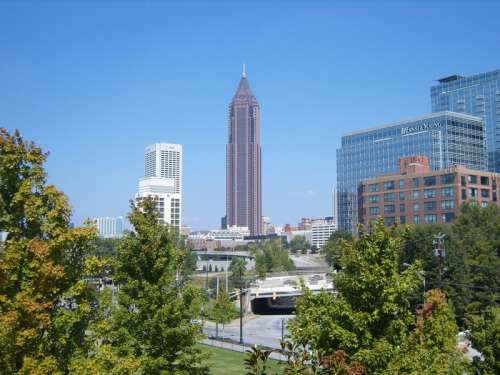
418	194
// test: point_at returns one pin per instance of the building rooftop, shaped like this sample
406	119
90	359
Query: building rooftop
451	78
414	119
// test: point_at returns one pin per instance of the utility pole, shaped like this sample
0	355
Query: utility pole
241	314
217	298
439	252
282	329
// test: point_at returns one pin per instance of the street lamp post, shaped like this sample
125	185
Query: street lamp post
439	252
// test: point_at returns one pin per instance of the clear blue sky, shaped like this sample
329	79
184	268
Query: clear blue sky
95	83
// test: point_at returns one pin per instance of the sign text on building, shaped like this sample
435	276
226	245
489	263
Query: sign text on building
420	128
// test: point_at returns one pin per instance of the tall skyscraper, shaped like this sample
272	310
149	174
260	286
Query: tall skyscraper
243	160
446	138
478	95
163	181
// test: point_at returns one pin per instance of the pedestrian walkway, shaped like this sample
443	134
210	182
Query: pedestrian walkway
238	348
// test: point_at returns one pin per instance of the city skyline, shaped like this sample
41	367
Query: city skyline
94	88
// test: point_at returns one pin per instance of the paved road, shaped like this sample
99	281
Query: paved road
262	330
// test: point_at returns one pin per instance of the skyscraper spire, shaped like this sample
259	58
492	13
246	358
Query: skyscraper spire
244	72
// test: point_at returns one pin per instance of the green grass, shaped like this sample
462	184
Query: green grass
223	361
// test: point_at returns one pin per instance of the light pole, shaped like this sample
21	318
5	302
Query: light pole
439	252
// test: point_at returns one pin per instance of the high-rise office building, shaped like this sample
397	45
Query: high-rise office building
243	161
321	231
446	138
478	95
335	207
163	181
109	227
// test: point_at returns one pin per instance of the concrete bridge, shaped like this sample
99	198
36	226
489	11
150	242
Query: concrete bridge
276	295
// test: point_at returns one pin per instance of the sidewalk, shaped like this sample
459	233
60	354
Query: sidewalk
238	348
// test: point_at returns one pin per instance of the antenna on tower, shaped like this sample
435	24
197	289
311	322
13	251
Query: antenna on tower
244	72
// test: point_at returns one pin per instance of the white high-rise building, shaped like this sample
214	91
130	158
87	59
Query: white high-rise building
163	180
322	229
109	227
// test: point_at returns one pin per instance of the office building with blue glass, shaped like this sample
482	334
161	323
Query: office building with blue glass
446	138
478	95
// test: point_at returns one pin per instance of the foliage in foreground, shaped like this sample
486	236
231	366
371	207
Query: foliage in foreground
150	329
45	306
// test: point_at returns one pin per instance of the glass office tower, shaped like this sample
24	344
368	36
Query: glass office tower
446	138
478	95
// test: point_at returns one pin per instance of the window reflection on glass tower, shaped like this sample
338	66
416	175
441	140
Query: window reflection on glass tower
243	160
478	95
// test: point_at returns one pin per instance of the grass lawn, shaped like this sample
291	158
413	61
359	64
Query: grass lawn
223	361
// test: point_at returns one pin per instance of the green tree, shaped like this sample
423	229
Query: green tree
299	244
153	319
477	238
485	337
371	315
238	269
270	256
431	349
45	306
333	247
222	309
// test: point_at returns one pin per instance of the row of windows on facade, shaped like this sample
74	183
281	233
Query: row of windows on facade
428	206
428	219
432	180
432	193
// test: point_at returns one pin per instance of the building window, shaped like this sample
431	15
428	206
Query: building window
472	179
447	192
485	193
429	193
430	180
402	219
402	207
448	216
389	185
485	181
494	196
430	219
472	192
389	221
401	184
484	204
402	195
389	208
373	187
415	182
374	210
416	219
447	178
448	204
416	207
430	206
462	181
374	198
464	194
389	197
416	194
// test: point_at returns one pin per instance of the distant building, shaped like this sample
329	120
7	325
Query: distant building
243	160
321	231
445	138
305	224
478	95
307	234
418	194
109	227
163	181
